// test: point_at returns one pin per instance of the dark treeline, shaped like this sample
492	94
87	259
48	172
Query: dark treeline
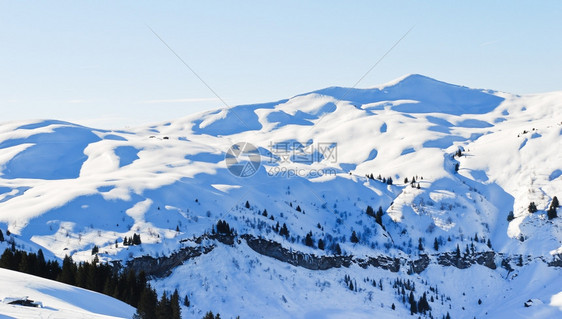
125	286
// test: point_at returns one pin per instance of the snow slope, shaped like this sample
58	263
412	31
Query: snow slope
59	300
66	188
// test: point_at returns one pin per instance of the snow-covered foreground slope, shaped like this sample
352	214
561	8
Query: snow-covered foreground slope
66	188
59	300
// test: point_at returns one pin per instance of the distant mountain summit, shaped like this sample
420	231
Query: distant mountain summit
421	95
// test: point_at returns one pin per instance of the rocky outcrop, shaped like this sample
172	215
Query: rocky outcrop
420	264
384	262
274	249
162	266
486	258
556	261
313	262
309	261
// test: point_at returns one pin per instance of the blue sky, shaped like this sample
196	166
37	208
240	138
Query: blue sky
97	63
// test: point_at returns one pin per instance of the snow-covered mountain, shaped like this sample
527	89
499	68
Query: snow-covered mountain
474	155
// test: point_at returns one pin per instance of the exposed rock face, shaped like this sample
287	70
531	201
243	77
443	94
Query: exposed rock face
556	261
162	266
462	262
384	262
419	265
275	250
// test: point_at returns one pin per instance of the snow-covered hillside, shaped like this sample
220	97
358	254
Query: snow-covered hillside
474	156
58	300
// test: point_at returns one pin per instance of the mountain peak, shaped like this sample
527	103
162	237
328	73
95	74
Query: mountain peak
427	95
412	78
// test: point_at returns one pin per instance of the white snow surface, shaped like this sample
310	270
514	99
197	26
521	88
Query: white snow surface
59	300
65	188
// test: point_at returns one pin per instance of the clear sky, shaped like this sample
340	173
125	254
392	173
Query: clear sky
97	63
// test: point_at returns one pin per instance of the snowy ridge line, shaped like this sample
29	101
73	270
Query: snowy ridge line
162	267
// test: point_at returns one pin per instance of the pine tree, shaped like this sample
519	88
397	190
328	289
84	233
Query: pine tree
68	272
489	243
95	250
354	239
175	305
7	260
209	315
24	265
458	252
413	304
223	227
164	309
436	245
41	268
423	305
284	231
299	208
320	244
337	249
147	304
420	245
1	236
510	216
308	240
378	216
458	153
532	207
136	239
186	301
370	211
551	213
247	205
